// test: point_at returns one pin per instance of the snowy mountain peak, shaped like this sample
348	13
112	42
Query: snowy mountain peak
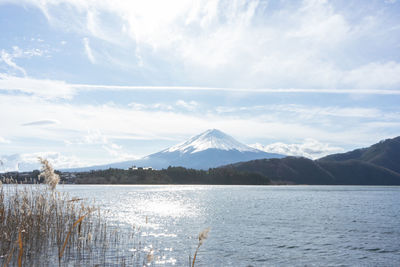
210	139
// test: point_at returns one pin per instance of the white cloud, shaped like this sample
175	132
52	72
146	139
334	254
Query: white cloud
41	123
4	141
304	44
29	161
94	87
374	75
309	112
95	137
88	50
137	106
318	21
310	148
180	104
55	158
151	107
118	154
27	53
43	88
8	59
190	105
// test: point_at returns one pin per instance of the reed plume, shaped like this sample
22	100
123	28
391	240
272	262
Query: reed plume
150	256
202	237
47	172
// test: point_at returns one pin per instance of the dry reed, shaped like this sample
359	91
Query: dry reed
21	249
79	221
40	222
47	172
202	237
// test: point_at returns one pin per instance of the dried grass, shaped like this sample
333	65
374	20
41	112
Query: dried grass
48	228
47	172
21	249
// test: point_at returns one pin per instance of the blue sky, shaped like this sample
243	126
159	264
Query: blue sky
90	82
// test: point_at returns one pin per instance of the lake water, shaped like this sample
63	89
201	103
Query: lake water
259	225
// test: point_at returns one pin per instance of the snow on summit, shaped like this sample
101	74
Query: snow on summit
210	139
210	149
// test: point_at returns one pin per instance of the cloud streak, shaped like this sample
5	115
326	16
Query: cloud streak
46	89
241	90
41	123
88	50
49	89
17	53
8	59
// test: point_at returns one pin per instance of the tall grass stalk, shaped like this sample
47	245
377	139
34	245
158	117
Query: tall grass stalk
79	221
202	237
21	249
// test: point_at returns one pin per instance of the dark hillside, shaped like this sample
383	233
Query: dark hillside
385	153
355	172
378	164
294	169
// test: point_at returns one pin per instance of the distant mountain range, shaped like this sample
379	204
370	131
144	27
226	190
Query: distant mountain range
378	164
16	162
209	149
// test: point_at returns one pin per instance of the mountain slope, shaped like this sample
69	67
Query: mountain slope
385	154
378	164
355	172
209	149
296	170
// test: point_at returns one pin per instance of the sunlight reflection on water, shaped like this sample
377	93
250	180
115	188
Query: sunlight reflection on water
258	225
142	207
166	207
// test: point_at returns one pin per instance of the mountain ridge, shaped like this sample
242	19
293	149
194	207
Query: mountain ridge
378	164
383	153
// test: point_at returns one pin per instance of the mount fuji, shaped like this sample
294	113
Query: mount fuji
209	149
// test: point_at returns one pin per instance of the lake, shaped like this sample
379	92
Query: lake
258	225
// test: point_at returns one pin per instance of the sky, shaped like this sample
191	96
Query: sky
93	82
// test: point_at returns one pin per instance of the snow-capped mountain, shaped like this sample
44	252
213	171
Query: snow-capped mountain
209	149
210	139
